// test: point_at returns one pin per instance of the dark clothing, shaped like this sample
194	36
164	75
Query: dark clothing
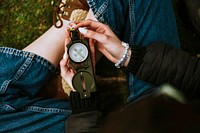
158	64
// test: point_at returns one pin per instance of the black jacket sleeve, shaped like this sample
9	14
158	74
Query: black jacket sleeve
158	64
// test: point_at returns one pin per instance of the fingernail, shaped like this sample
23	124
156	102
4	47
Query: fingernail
73	25
65	55
83	30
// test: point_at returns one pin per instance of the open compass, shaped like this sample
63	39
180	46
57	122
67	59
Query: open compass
79	55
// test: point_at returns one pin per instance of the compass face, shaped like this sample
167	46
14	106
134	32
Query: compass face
78	52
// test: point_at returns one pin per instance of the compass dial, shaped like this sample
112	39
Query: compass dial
78	52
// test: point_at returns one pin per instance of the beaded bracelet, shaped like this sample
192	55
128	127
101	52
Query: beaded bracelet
119	63
128	55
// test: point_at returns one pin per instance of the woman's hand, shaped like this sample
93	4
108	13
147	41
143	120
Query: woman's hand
67	72
106	41
103	37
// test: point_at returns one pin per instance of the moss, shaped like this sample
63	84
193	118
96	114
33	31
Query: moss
22	21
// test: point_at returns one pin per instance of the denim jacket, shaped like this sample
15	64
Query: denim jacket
138	22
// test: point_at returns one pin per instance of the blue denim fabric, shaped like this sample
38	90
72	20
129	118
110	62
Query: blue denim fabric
23	75
138	22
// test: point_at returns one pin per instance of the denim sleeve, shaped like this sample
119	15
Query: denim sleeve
22	76
138	22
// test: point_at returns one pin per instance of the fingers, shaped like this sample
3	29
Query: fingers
67	72
101	38
88	23
64	64
93	30
92	25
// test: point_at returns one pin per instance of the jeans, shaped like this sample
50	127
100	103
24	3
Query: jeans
138	22
23	75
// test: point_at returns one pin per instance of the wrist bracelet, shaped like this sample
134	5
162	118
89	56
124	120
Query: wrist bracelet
119	63
127	58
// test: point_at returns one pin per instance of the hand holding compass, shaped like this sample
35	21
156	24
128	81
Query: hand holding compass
79	54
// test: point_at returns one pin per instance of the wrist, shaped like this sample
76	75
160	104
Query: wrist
128	58
124	57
